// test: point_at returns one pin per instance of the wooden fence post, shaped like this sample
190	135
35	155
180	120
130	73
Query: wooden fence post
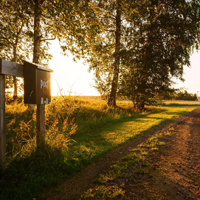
40	125
2	121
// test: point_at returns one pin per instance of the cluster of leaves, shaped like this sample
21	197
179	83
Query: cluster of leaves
15	26
27	26
164	41
15	40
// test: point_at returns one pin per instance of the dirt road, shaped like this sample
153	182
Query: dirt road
172	171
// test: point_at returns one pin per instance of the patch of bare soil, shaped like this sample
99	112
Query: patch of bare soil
173	170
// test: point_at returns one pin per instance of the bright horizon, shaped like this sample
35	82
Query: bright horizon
74	79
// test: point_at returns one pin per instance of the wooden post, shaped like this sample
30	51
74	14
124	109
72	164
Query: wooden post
2	121
40	125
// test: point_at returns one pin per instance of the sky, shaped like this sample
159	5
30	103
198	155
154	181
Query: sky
73	78
191	75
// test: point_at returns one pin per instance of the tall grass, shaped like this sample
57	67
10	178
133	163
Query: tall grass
77	131
21	127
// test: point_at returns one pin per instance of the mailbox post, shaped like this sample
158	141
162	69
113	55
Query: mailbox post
2	121
37	90
13	69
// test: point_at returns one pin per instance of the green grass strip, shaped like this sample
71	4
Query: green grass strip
178	104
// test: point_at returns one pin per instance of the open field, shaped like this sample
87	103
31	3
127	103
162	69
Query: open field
165	102
77	133
182	102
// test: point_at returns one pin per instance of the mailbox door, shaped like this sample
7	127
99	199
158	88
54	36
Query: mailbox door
29	84
43	85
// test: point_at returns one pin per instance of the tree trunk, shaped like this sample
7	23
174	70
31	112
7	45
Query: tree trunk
15	60
15	88
138	106
36	54
112	98
36	41
36	47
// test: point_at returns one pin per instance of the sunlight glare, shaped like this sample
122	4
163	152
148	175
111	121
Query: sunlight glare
72	78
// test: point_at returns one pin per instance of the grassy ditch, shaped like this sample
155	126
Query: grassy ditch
77	132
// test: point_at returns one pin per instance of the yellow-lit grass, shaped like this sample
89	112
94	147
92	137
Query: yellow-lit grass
104	192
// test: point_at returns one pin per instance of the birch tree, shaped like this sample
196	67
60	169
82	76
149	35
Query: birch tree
105	46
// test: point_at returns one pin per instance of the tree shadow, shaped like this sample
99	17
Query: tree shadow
25	178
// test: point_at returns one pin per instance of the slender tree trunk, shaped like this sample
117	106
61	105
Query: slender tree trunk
36	54
36	47
15	60
112	98
15	87
36	41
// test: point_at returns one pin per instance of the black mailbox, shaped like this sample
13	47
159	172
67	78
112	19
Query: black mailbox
37	84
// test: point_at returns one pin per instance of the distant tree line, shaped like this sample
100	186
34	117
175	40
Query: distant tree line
133	48
179	95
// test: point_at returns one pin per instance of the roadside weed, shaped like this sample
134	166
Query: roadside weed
104	192
145	164
161	143
167	133
115	172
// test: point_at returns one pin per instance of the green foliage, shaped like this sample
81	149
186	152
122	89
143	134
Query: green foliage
179	95
136	48
161	46
15	44
27	26
105	44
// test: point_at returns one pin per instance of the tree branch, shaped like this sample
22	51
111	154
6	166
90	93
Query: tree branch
44	39
111	31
